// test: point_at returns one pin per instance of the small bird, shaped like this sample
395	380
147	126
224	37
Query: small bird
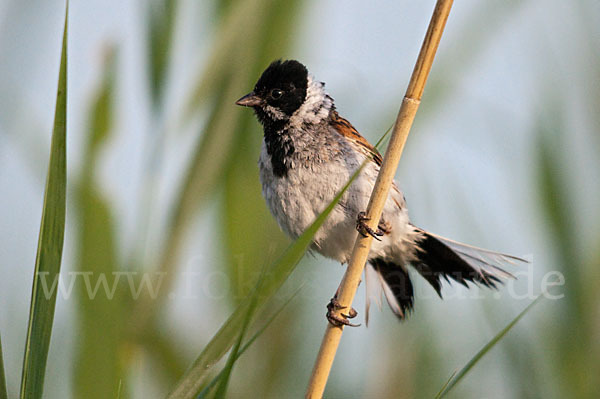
309	152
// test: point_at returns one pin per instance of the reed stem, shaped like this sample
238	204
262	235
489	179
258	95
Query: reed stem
360	253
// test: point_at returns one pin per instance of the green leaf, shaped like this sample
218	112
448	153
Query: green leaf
486	348
240	23
227	81
251	236
201	176
162	24
446	384
101	317
207	389
50	245
577	363
168	355
244	209
3	391
100	308
191	383
101	113
233	355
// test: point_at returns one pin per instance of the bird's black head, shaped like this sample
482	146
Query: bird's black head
279	92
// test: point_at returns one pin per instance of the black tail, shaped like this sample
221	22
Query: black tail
436	260
397	287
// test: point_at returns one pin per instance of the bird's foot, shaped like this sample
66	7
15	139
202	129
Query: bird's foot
365	230
342	319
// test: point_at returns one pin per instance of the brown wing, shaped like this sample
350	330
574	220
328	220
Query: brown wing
345	128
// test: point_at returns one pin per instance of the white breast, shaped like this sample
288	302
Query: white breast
311	184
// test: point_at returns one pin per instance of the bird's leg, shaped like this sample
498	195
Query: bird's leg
336	320
365	230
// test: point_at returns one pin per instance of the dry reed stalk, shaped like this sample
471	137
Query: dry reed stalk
404	121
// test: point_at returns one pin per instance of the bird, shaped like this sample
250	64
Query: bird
309	152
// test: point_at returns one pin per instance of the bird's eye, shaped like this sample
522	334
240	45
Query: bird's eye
276	93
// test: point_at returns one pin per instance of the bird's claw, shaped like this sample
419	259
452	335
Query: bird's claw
336	320
365	230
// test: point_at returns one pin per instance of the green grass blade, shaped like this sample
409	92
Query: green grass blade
101	316
486	348
234	26
578	366
446	384
384	138
161	27
267	323
213	153
243	208
167	356
277	274
205	169
207	389
3	391
50	245
233	355
201	177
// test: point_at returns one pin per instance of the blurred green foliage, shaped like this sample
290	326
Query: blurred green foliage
101	317
115	334
577	355
457	376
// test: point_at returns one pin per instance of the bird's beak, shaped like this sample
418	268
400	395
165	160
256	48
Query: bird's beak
249	100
